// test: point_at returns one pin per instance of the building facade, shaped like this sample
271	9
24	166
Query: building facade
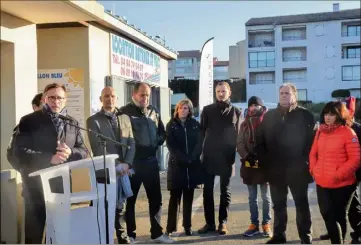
237	59
318	52
188	64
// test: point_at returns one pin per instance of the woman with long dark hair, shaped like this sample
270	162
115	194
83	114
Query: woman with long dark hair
334	159
184	166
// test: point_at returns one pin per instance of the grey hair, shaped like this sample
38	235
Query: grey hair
292	87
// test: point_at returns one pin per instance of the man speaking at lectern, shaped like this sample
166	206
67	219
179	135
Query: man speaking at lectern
45	140
110	122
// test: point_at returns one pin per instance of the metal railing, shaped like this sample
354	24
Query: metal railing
294	80
261	63
266	81
295	58
350	56
262	43
351	78
294	37
351	33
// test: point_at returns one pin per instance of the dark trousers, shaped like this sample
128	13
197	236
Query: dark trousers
146	173
279	193
208	198
354	216
333	205
174	207
35	214
118	225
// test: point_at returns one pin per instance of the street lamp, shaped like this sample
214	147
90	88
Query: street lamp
163	39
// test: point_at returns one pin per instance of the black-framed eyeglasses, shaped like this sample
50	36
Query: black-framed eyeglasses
54	98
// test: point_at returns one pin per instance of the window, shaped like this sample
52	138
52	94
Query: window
302	94
353	31
129	89
262	78
294	76
351	73
184	62
353	52
294	54
261	59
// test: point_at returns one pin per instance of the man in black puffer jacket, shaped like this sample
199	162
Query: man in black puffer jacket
219	125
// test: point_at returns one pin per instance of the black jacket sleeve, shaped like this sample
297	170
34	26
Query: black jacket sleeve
78	151
24	148
161	132
93	139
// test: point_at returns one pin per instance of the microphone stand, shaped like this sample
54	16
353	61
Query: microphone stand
103	143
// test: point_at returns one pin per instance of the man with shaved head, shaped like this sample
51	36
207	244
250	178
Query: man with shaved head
109	121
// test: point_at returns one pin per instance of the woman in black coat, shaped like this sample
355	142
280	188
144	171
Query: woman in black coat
184	167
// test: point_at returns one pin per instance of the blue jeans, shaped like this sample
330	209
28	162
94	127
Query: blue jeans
253	203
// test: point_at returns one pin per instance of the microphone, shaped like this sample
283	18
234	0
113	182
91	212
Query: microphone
65	118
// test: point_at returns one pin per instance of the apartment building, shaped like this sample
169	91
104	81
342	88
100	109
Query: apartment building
319	52
237	67
188	64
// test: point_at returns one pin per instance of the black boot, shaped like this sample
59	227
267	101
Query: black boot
188	232
207	228
277	240
325	237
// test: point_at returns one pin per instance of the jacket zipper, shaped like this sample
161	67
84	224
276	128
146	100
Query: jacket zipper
185	132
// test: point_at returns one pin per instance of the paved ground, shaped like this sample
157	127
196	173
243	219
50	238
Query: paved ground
238	217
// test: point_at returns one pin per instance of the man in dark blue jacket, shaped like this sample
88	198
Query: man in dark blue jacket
149	134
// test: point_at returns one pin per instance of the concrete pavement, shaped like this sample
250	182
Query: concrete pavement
239	217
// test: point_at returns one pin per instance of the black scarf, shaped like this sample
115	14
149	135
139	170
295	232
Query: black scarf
58	123
224	106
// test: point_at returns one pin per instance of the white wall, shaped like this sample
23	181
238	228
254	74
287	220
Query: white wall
99	63
324	62
18	87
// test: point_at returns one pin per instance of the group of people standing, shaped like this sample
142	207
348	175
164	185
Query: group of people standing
280	149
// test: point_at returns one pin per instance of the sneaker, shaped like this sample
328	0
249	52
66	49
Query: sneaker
267	232
252	230
132	240
222	229
163	239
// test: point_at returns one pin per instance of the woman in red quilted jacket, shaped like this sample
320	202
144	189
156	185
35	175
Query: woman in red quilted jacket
334	158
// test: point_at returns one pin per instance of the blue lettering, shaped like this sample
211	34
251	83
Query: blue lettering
43	75
56	75
126	48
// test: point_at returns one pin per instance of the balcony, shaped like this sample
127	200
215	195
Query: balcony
261	43
294	33
260	78
261	38
295	75
294	54
351	52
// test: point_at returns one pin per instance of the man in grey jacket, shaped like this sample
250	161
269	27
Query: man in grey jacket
117	126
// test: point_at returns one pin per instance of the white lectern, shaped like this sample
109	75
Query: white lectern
79	226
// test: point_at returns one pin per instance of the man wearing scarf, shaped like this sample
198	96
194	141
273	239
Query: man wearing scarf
283	142
219	126
110	122
44	140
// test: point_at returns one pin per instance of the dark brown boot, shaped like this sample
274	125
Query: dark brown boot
222	229
207	228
